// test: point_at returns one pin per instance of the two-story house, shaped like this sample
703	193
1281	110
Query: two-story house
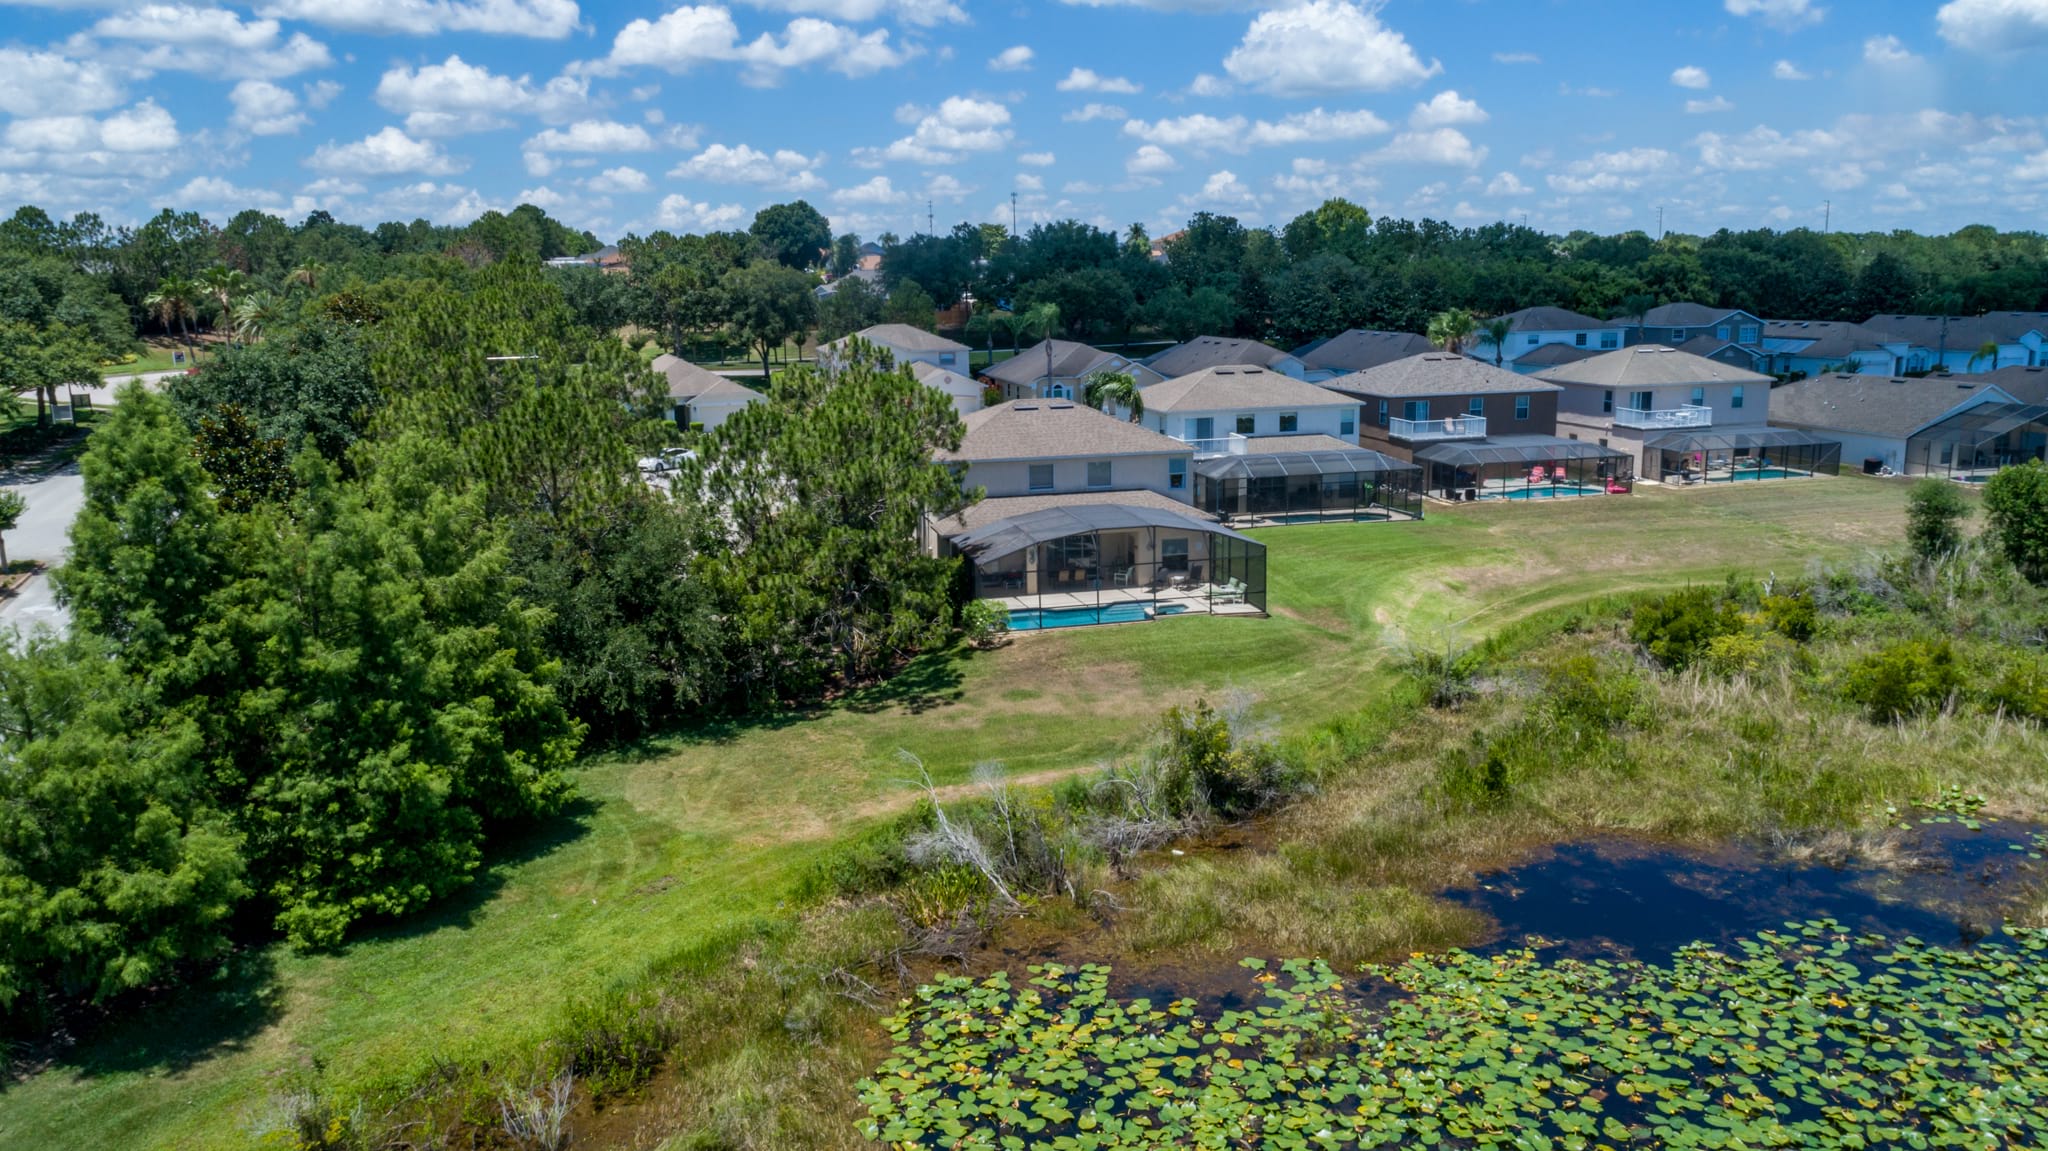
1356	350
1968	343
1683	417
1204	352
1437	397
1208	407
1532	329
1061	368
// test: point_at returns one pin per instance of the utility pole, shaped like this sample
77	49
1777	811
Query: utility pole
1660	221
1013	214
1827	216
930	228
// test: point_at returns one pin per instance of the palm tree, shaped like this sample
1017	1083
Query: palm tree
309	274
984	323
1988	350
225	285
1635	307
1118	389
1040	320
253	313
1450	329
1496	332
173	302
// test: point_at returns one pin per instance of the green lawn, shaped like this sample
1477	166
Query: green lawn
153	359
698	834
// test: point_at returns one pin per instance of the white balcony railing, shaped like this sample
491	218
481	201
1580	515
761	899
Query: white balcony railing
1231	445
1431	431
1663	419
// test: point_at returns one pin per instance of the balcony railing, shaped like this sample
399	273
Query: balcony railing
1231	445
1432	431
1664	419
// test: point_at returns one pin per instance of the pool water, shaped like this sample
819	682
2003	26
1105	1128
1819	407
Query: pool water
1546	492
1761	474
1042	619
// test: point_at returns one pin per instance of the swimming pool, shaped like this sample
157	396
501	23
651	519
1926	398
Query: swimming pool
1546	492
1760	474
1042	619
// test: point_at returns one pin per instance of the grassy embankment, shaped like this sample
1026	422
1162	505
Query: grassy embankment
695	840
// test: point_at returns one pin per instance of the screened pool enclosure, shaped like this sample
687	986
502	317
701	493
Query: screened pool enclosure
1112	563
1307	486
1737	454
1976	442
1524	468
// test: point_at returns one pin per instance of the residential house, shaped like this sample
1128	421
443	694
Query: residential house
2029	385
1534	328
1206	408
1674	325
1085	519
964	391
1542	356
1438	396
1478	431
1061	368
699	398
905	344
1204	352
1355	351
1683	417
1954	342
607	258
1954	426
1816	347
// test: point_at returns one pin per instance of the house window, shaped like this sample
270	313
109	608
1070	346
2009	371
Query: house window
1532	341
1383	413
1642	401
1610	339
1417	410
1098	473
1476	406
1948	453
1579	339
1290	421
1176	474
1246	425
1735	399
945	358
1041	477
1521	407
1059	392
1699	397
1721	333
1748	334
1173	554
1348	425
1677	336
1607	401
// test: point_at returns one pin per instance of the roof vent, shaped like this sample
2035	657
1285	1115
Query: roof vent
1023	407
1062	407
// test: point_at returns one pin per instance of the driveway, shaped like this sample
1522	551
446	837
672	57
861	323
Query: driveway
43	534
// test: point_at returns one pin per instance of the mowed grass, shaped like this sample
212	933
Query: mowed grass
704	834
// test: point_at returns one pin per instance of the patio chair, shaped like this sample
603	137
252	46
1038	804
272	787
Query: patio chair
1121	577
1231	592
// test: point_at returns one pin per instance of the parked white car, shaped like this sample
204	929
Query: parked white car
669	460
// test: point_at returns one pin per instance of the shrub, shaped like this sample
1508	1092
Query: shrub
1207	765
1737	653
1583	697
1444	672
2021	690
984	622
2016	506
1796	617
1904	679
1676	628
1935	512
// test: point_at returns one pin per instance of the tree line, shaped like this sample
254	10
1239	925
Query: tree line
348	603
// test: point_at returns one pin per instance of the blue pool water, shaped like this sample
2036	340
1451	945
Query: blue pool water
1547	492
1041	619
1762	474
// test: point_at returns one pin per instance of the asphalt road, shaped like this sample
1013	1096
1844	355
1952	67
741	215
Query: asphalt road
43	534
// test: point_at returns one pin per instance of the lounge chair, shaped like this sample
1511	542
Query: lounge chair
1232	591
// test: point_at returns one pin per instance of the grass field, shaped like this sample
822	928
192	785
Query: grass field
696	835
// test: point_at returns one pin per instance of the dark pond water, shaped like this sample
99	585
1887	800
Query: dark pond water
1631	900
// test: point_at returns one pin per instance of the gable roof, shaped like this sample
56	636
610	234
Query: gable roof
1890	406
945	379
1236	387
1687	315
904	337
687	381
1649	366
1545	319
1054	429
1964	333
976	516
1707	346
1360	348
1069	361
1553	353
2025	384
1212	352
1437	374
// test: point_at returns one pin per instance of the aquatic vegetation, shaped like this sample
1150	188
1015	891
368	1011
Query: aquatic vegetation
1812	1037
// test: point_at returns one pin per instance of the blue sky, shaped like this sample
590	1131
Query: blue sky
628	117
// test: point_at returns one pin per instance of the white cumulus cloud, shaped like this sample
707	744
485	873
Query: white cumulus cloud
142	128
875	191
1786	15
593	136
783	169
264	109
1506	184
680	213
1787	70
388	152
1013	59
1446	109
1236	133
1691	76
1325	46
1087	80
620	179
1994	26
1886	51
1149	160
959	124
1093	111
542	19
455	96
1446	146
1036	159
1705	107
209	41
695	35
46	83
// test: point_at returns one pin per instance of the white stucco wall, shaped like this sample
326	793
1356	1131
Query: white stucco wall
1126	473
